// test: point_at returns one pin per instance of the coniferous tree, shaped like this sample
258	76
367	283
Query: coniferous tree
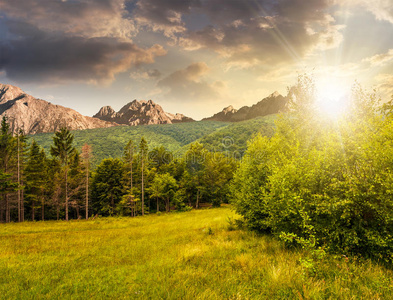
7	147
55	184
36	179
108	186
21	157
7	185
63	149
143	154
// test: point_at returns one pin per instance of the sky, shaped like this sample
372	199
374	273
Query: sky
191	56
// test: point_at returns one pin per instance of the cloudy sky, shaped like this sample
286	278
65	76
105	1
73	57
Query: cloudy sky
191	56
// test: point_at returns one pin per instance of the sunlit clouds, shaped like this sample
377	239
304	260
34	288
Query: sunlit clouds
197	55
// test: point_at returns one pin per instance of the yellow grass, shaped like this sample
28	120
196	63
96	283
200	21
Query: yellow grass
189	255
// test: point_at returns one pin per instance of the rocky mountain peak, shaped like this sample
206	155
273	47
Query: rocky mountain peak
229	110
275	95
9	92
140	112
106	110
34	115
269	105
106	113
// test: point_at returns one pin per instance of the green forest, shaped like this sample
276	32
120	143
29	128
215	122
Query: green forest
214	135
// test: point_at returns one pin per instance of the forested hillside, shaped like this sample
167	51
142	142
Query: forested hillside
110	142
233	138
215	136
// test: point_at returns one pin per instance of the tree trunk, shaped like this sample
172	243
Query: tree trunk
19	198
66	193
158	206
2	209
57	205
131	174
77	212
112	204
168	204
33	211
143	191
197	202
42	209
7	208
87	192
22	208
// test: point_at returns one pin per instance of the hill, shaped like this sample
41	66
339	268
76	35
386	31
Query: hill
110	142
216	136
232	138
192	255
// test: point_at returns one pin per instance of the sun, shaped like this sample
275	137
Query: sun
332	96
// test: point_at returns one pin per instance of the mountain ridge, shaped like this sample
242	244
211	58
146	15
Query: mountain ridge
34	115
140	112
272	104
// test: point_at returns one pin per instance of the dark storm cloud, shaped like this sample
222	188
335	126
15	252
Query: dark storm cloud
251	32
90	18
36	56
75	40
163	16
248	31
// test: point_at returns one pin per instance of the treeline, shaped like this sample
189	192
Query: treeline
62	185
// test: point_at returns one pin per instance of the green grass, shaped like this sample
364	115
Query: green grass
189	255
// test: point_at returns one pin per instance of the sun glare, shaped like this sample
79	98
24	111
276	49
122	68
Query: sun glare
331	97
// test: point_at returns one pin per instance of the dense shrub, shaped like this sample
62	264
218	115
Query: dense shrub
323	183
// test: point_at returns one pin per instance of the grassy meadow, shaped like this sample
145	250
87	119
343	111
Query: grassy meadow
192	255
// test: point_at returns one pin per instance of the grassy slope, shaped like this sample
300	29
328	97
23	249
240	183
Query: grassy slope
110	142
234	137
177	256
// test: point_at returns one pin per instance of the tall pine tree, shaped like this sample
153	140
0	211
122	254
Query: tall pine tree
143	154
63	149
7	147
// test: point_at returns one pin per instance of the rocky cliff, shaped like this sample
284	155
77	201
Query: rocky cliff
34	115
267	106
140	113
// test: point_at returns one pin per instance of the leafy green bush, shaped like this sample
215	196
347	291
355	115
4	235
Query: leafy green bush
323	183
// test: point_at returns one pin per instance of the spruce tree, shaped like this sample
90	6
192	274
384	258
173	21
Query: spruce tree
7	146
21	157
36	175
143	151
63	149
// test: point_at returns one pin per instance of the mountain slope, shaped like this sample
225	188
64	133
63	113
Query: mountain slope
110	142
34	115
140	113
216	136
267	106
232	139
